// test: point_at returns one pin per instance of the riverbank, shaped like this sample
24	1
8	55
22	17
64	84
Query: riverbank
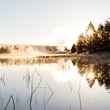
52	58
102	57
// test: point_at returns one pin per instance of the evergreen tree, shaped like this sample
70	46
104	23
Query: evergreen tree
81	44
73	49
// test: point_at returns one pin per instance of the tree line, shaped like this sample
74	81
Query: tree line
97	41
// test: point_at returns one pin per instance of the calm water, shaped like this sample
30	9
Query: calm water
59	84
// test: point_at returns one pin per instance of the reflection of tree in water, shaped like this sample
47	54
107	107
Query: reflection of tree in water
99	72
9	101
11	98
82	68
3	79
2	85
33	82
102	72
30	82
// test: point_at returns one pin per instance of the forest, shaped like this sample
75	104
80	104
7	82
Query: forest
94	40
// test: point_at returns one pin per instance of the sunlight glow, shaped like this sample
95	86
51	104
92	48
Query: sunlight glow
64	36
65	72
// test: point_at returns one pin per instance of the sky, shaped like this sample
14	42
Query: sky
49	21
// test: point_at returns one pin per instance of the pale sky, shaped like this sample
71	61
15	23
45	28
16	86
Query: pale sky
48	21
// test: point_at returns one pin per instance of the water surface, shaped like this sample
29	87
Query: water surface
56	84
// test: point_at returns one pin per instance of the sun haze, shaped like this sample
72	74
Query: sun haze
48	21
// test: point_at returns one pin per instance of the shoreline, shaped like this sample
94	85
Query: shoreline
67	55
97	58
